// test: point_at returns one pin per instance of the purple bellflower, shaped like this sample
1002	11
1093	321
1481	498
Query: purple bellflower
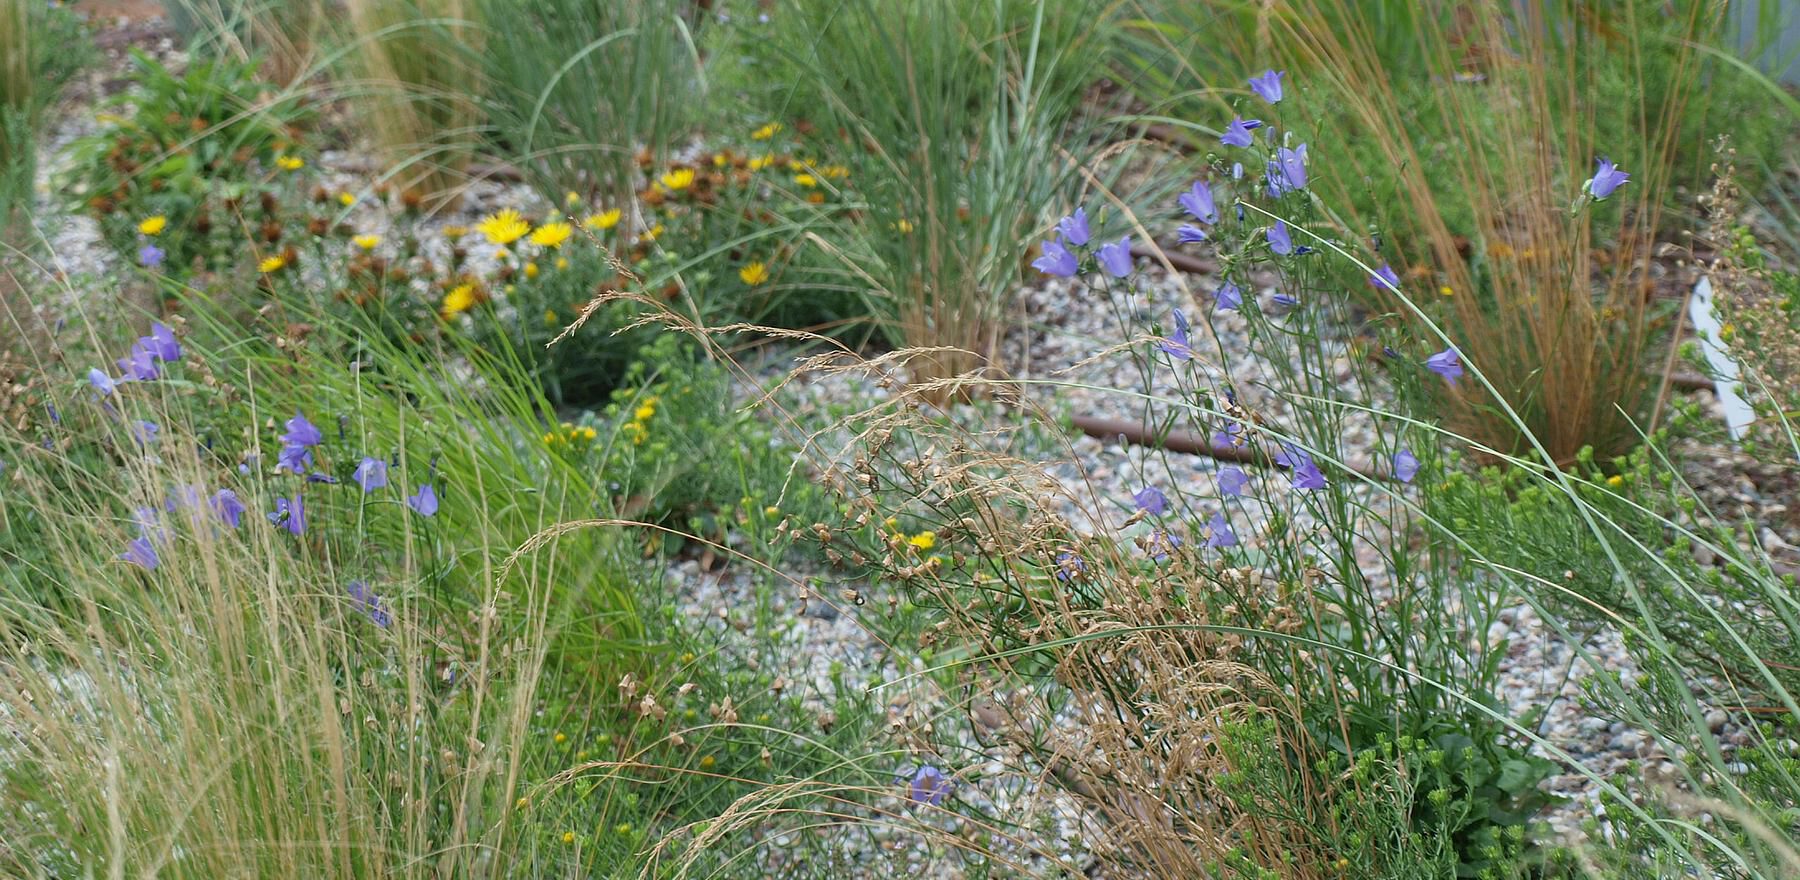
371	474
1056	260
1199	204
1115	258
1279	240
1219	533
1406	466
1385	278
1607	178
1074	228
1177	346
1229	296
425	502
1268	85
141	553
1151	500
1446	363
929	786
1237	134
226	504
1232	481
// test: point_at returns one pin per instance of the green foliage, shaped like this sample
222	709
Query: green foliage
575	88
193	149
42	46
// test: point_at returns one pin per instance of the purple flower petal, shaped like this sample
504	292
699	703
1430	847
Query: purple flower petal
1406	466
1074	228
371	474
1151	500
425	502
1232	481
1229	296
140	552
1385	278
1190	234
1177	346
1115	258
1279	240
1219	533
1056	260
1606	179
929	786
1446	363
1198	202
102	382
301	432
226	504
1268	85
1237	134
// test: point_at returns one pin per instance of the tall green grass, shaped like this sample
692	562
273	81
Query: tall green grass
958	123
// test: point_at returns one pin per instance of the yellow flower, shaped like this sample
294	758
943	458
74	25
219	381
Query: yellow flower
153	225
904	225
561	738
644	413
271	264
550	317
455	231
806	180
891	523
654	233
367	242
503	228
562	262
678	179
835	172
707	762
720	160
290	163
502	254
531	270
346	199
761	162
923	540
568	837
552	234
603	220
1445	290
766	132
522	804
1615	481
771	510
460	299
572	197
754	273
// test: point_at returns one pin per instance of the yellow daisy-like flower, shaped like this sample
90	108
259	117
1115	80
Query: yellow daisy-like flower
654	233
761	162
766	132
461	298
603	221
1446	291
366	242
561	737
904	225
346	199
153	225
271	264
531	270
720	160
806	180
645	413
290	163
552	234
568	837
504	227
923	540
678	179
1615	481
754	273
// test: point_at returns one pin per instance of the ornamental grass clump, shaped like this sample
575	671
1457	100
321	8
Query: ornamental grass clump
958	116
